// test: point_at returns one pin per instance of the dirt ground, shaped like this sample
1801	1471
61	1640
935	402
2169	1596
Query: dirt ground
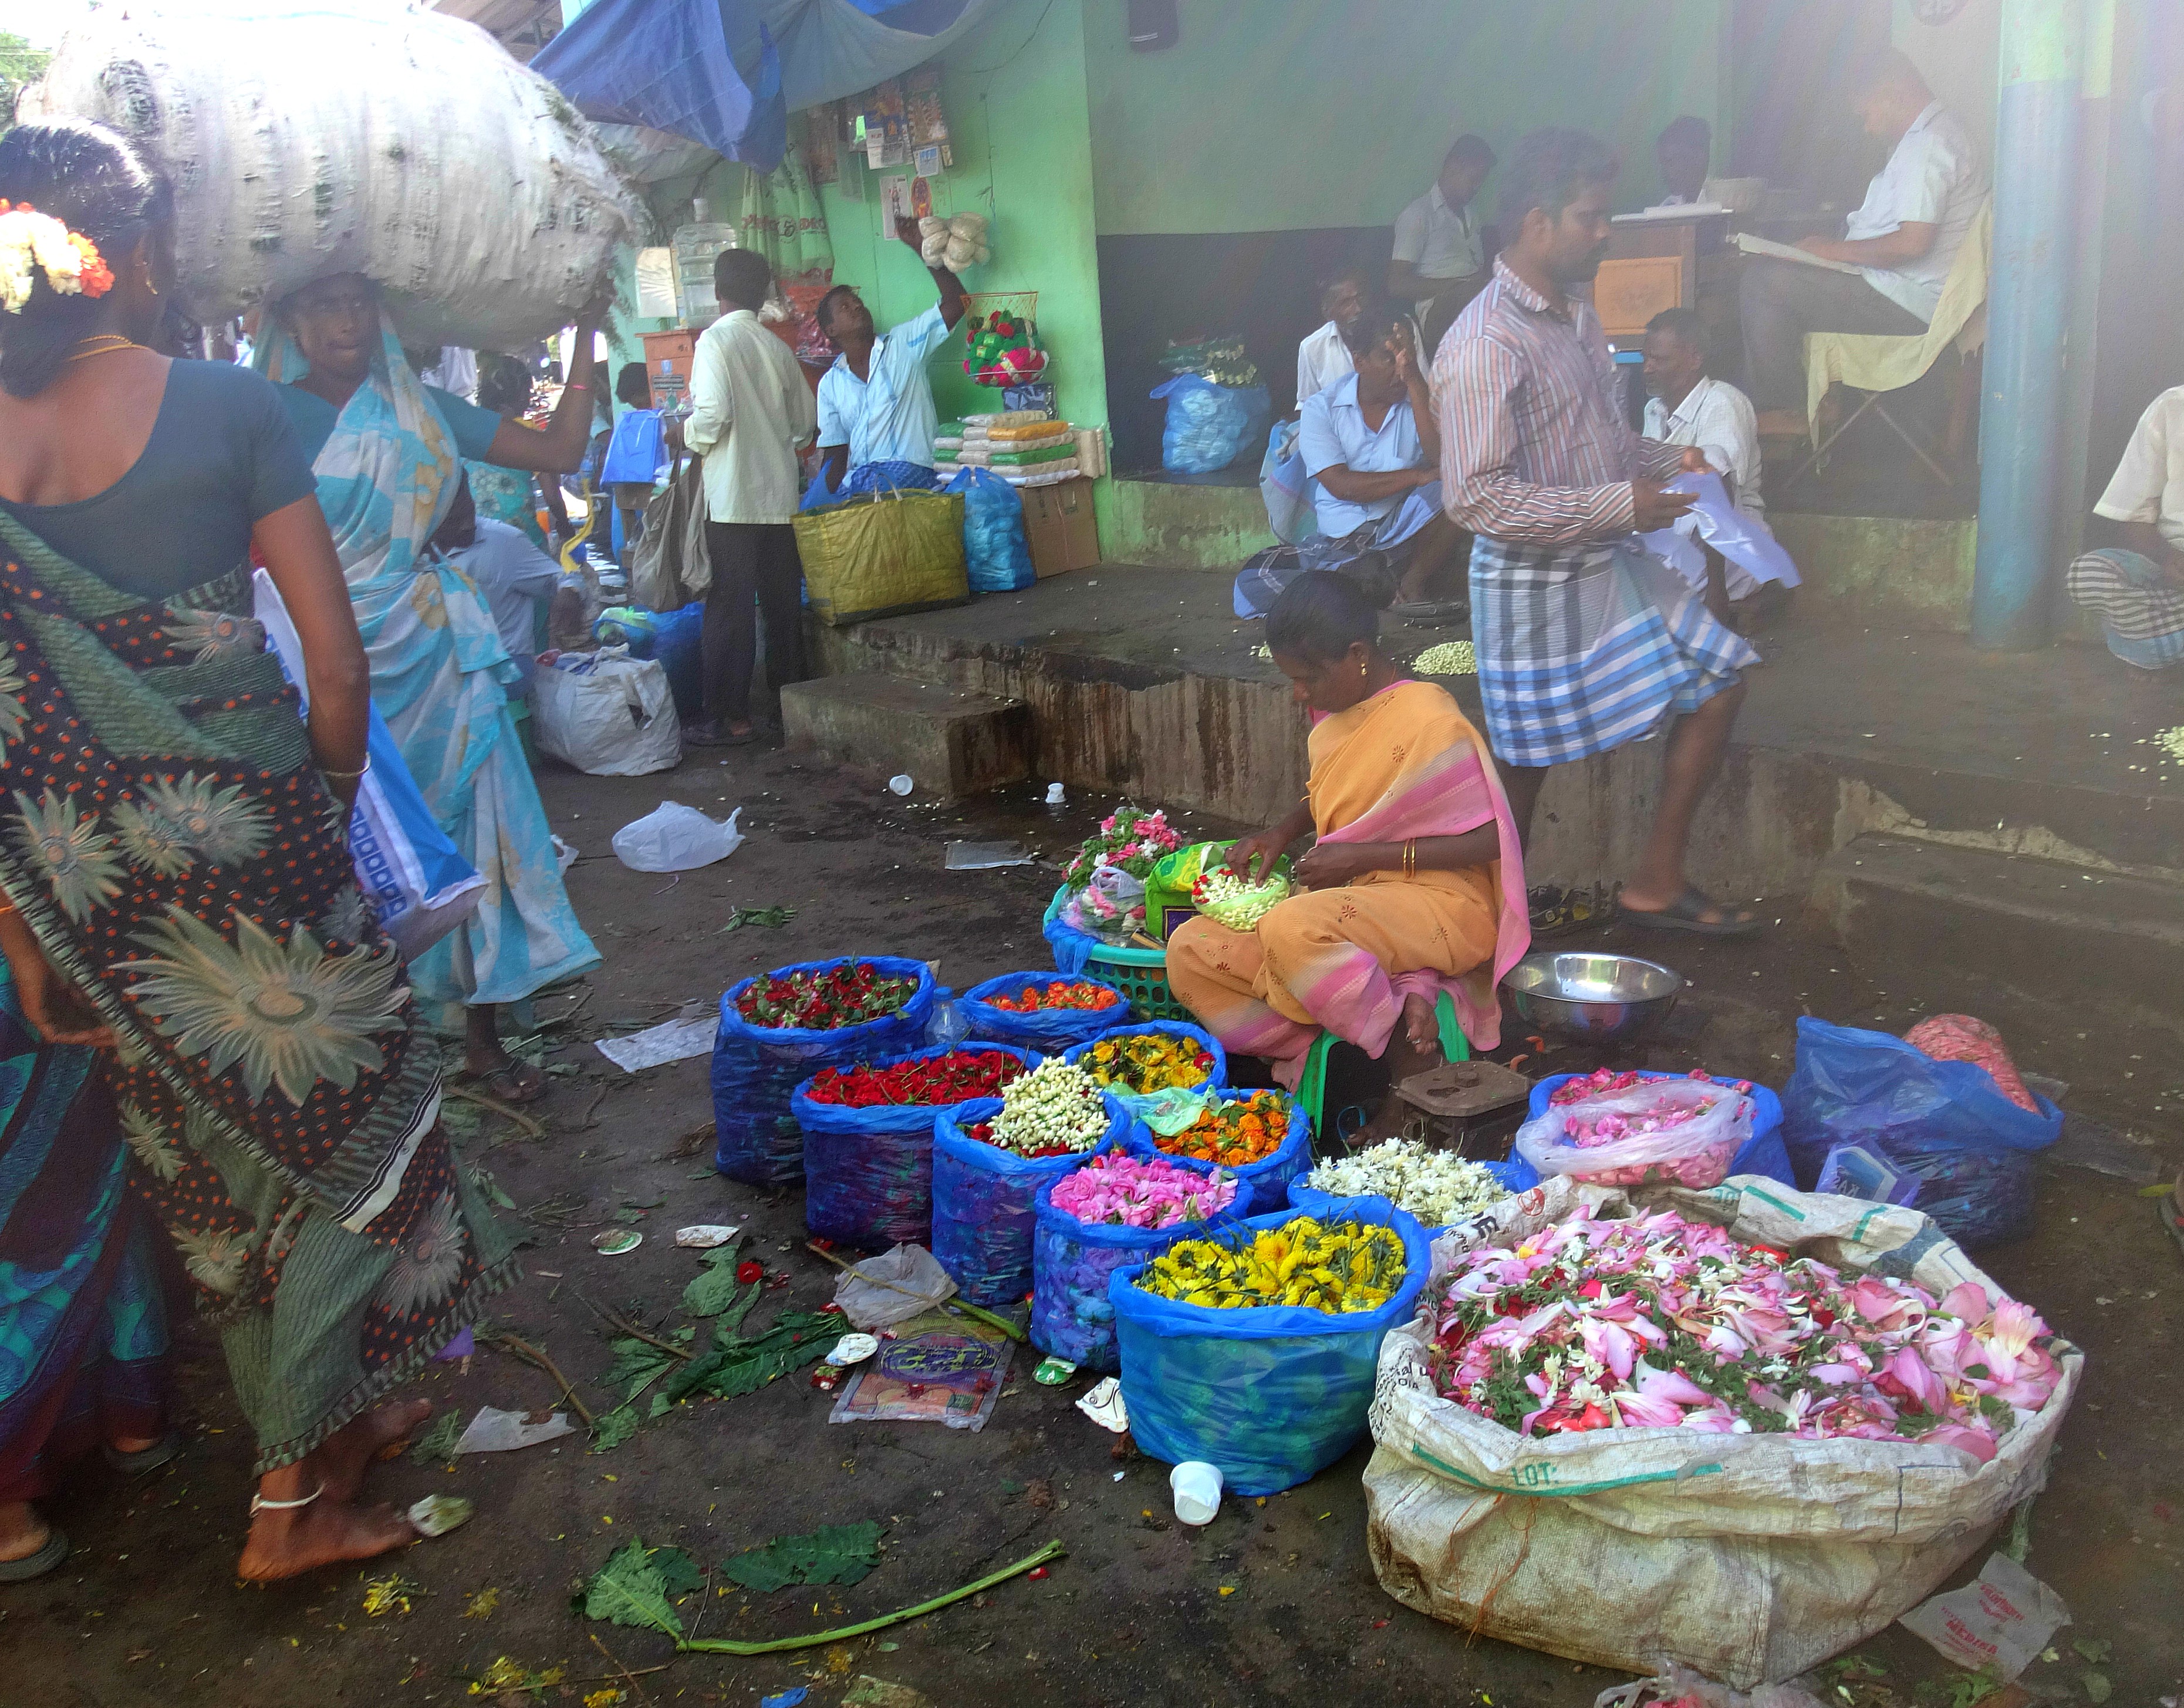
1274	1602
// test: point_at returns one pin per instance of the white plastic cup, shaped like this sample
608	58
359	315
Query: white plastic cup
1055	797
900	783
1196	1486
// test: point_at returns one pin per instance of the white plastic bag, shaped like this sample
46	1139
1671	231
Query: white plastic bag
1749	1557
2001	1619
607	713
892	1287
674	837
353	135
1111	907
1695	1154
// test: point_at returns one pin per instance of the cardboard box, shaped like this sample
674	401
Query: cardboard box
667	357
1059	528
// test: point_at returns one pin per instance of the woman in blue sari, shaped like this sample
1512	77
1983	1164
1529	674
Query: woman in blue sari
387	451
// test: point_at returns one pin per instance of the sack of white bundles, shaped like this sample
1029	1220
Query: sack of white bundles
353	135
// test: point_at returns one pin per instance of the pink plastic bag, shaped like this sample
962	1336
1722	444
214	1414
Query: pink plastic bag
1664	1133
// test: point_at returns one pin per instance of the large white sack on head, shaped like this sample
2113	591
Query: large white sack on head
353	135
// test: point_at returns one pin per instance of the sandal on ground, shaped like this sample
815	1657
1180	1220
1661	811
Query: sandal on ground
1430	613
164	1451
37	1565
1688	911
508	1084
1555	911
713	736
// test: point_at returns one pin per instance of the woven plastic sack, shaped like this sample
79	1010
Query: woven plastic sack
1263	1187
355	136
1204	1039
1763	1152
1072	1263
1050	1031
1695	1154
868	1172
1309	1200
756	1069
1209	426
985	1204
995	555
1945	1121
1749	1557
878	554
1272	1395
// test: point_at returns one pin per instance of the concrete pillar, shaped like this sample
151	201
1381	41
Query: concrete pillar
2036	126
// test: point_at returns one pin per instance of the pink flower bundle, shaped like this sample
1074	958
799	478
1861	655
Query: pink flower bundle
1134	1192
1606	1082
1657	1322
1656	1131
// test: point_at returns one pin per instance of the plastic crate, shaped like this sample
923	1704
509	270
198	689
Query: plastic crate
1140	975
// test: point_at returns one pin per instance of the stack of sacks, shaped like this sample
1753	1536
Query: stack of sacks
1023	447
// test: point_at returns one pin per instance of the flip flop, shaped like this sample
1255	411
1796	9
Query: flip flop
37	1565
1430	613
698	737
1685	913
164	1451
503	1083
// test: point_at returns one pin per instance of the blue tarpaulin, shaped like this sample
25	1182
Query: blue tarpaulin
727	73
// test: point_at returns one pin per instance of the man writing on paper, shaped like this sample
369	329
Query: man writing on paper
1439	261
1897	247
1586	640
875	402
1690	407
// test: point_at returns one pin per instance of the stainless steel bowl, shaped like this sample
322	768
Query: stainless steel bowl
1592	998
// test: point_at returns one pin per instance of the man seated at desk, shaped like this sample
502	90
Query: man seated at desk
1323	358
875	403
1902	241
1441	261
1684	151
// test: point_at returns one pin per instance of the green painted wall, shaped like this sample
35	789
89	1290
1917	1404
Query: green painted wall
1297	114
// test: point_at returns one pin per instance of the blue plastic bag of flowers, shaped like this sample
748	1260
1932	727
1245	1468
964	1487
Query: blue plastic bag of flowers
993	547
868	1165
756	1069
1272	1395
1261	1187
1945	1121
1050	1029
1102	1062
985	1204
1209	426
1072	1262
1763	1152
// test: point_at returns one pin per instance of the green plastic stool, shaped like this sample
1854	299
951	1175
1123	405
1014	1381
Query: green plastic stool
1311	1085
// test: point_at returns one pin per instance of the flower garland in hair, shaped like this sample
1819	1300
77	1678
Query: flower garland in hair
28	241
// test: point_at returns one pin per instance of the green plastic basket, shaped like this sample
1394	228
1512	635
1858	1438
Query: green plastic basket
1139	975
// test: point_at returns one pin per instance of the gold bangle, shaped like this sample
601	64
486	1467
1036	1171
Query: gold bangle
1411	857
335	777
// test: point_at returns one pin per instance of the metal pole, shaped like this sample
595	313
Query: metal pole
2028	320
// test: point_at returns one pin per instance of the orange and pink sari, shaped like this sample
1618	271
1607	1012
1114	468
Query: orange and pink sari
1403	764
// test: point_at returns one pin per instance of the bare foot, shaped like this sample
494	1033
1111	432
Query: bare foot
349	1452
134	1444
286	1544
22	1532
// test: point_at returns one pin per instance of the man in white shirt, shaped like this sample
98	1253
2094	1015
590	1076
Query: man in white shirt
2136	583
875	402
1902	241
1690	407
1439	261
751	413
1323	358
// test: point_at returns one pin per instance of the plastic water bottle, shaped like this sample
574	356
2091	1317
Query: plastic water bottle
946	1027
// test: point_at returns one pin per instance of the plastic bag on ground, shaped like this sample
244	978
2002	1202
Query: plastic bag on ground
674	837
1749	1557
1763	1152
1263	1187
1678	1687
1946	1121
1209	426
892	1288
606	714
985	1204
1050	1029
2001	1619
756	1069
1696	1153
1072	1263
993	547
868	1172
1272	1395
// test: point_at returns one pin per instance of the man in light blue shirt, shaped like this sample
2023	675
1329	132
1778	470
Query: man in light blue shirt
875	403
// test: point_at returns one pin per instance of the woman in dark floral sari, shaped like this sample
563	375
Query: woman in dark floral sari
175	886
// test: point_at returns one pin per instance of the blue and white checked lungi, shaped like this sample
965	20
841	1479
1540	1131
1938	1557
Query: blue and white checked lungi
1582	648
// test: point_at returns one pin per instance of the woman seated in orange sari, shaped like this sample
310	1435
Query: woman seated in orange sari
1414	887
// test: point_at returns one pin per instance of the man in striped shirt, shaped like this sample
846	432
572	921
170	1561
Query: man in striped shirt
1585	641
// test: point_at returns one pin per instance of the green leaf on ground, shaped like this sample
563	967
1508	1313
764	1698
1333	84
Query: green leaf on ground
614	1428
2097	1650
842	1554
638	1364
736	1367
772	917
713	1289
437	1445
2098	1688
632	1589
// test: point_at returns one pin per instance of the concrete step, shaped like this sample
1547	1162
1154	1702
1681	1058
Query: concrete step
951	742
1960	927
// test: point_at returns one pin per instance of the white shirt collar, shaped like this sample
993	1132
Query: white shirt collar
1933	111
1461	215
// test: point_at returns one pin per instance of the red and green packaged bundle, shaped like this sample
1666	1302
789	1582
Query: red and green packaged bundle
920	1080
827	999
